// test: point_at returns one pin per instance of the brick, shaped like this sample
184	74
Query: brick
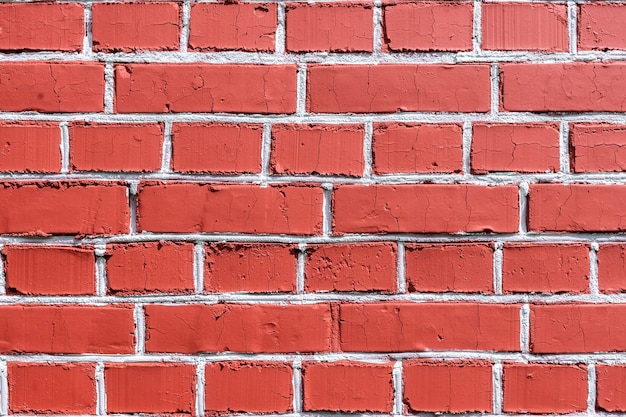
52	87
317	149
573	328
525	26
128	27
428	26
233	27
243	208
597	147
347	386
116	147
612	268
417	148
51	208
523	147
331	27
260	328
30	147
212	88
449	268
41	27
424	208
600	26
462	386
262	387
351	267
44	388
390	88
150	388
544	388
49	270
545	268
566	87
399	327
216	148
576	208
58	329
151	267
610	380
242	267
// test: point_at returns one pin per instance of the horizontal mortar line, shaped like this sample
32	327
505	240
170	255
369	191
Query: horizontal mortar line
512	178
323	118
371	357
313	298
619	237
364	58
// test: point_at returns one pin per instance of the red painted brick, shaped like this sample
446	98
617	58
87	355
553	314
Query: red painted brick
428	26
250	268
216	148
612	268
317	149
138	268
351	267
398	327
610	380
424	208
547	268
576	207
41	27
225	88
116	146
136	26
449	268
50	270
417	148
347	386
527	147
52	87
30	147
182	207
389	88
260	328
461	386
575	87
233	26
333	27
525	26
597	147
48	208
44	388
261	387
601	26
66	329
571	328
150	388
544	388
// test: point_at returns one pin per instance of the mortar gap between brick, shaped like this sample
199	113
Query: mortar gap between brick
572	26
184	30
367	150
497	387
140	329
593	269
477	27
87	39
132	198
523	208
109	87
297	385
497	268
591	388
280	29
200	384
101	397
101	275
301	89
377	15
65	147
327	214
300	268
401	268
166	161
525	327
198	267
398	388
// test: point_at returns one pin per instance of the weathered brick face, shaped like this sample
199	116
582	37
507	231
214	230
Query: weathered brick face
269	207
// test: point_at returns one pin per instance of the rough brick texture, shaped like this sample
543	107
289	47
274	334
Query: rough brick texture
312	208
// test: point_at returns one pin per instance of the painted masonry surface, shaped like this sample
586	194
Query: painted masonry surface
389	208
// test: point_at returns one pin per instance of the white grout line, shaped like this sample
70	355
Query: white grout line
3	281
467	149
132	200
200	387
497	268
477	35
87	39
525	328
109	87
280	29
4	389
184	30
65	148
198	267
327	213
495	89
523	208
591	389
140	329
301	89
266	151
367	150
297	385
166	152
300	268
564	147
377	16
101	397
572	26
101	274
398	388
401	268
593	269
498	391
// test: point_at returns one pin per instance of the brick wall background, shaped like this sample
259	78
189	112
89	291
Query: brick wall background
403	207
